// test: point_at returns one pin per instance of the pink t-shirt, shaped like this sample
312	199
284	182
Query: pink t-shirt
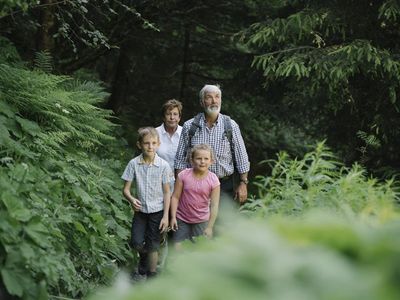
194	204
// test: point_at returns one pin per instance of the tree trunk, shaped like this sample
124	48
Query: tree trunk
120	82
185	61
44	40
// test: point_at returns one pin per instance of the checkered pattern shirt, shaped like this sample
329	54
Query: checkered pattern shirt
149	179
215	137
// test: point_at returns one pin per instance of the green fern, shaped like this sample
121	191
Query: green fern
8	53
42	97
44	61
369	139
64	223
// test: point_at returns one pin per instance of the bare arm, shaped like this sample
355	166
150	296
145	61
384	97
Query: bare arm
242	163
241	189
176	195
215	193
177	171
166	197
135	203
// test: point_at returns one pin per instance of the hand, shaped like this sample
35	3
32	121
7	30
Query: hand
163	225
136	205
208	232
241	193
173	224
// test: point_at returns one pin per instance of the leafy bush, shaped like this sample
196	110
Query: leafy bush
64	225
279	259
320	180
338	70
324	231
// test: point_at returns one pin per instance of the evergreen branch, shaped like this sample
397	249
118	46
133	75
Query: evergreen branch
286	50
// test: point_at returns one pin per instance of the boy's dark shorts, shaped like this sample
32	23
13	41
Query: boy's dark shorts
146	236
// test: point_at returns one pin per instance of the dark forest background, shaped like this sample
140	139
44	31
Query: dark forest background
314	86
292	72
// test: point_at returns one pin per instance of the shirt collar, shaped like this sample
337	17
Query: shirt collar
203	119
156	161
177	131
163	131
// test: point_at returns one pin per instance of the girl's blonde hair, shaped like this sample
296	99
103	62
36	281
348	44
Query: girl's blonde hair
144	131
201	147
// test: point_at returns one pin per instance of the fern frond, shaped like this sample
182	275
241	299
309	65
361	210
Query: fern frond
369	139
84	88
42	97
44	61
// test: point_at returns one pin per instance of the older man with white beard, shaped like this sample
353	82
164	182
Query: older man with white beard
223	135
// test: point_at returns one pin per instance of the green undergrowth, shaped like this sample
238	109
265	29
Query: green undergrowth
316	257
316	230
319	180
64	225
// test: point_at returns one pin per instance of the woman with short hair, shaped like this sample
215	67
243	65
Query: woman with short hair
170	130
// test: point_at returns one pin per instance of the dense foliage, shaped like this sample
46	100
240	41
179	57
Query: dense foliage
63	224
297	264
9	6
292	72
324	232
182	46
319	180
338	64
72	24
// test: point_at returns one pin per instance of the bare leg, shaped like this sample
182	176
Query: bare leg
178	246
153	259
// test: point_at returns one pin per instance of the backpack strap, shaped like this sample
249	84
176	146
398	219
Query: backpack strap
228	128
192	131
228	133
193	128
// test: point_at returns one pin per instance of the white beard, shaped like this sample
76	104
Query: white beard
212	111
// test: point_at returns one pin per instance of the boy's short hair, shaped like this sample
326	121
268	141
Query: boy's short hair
171	104
201	147
144	131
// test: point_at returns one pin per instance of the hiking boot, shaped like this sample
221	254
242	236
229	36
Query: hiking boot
151	275
137	277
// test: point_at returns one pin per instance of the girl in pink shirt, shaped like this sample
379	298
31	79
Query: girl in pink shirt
194	203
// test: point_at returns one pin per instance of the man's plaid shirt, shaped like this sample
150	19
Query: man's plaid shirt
215	137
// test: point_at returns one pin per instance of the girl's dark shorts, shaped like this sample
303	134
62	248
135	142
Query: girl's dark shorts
146	236
187	231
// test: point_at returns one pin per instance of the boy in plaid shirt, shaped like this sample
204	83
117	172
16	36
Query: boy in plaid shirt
152	176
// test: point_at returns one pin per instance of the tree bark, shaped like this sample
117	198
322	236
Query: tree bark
120	82
45	40
184	74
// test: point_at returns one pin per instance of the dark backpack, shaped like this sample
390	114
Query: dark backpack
227	131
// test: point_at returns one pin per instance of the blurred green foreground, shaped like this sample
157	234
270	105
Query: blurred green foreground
317	230
318	256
